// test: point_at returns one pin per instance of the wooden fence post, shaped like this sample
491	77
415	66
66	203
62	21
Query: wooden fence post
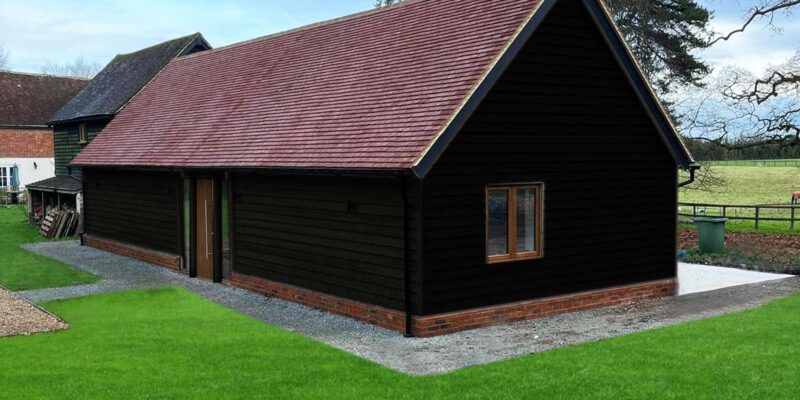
757	213
791	227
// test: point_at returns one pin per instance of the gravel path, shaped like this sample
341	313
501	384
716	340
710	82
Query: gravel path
414	356
20	317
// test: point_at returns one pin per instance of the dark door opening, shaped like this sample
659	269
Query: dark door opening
204	243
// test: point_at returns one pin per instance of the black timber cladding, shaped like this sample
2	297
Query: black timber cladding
648	98
135	207
565	114
67	144
338	235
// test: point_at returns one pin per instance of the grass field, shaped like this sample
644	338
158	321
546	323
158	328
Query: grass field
169	343
758	163
750	186
21	269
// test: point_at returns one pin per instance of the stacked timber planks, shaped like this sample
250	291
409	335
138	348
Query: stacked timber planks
61	224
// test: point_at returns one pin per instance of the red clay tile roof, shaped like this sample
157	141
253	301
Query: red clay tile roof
371	90
30	99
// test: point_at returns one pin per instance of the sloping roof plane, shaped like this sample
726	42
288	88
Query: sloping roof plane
122	78
30	99
383	90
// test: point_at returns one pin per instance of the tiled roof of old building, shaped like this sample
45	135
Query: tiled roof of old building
122	78
30	99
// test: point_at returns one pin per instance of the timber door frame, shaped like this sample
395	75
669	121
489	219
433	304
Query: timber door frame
217	226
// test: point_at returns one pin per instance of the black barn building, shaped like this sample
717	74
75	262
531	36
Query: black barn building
429	167
82	118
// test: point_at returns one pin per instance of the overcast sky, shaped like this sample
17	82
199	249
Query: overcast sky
37	31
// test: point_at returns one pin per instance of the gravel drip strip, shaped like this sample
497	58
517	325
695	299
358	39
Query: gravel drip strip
20	317
413	355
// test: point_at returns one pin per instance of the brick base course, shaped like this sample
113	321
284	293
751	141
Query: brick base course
441	324
159	258
372	314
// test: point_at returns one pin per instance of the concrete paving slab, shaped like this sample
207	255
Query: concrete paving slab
695	278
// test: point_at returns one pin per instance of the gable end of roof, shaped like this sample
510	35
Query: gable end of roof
612	36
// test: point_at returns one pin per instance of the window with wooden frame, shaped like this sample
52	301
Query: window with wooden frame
82	139
513	222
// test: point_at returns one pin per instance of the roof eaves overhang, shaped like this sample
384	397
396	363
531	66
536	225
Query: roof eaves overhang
320	171
13	126
611	34
52	189
86	118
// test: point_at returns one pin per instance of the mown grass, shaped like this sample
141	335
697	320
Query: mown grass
23	270
169	343
749	186
757	163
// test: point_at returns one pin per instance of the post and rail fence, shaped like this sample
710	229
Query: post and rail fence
756	213
756	163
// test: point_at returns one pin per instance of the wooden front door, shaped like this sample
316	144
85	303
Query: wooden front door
205	228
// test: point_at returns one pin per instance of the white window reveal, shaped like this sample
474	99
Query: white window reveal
9	176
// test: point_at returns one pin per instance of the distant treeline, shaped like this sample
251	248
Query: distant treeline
706	151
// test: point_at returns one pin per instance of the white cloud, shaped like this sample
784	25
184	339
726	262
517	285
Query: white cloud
37	31
755	49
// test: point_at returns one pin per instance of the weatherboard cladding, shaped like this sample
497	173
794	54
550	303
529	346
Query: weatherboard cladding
561	114
367	91
121	79
134	207
67	144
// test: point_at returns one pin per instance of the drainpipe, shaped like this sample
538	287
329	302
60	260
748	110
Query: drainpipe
406	256
692	170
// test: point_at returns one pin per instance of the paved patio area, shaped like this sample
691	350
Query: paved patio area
696	278
413	355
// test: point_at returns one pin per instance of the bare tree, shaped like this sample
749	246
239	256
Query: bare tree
765	9
740	109
80	68
3	58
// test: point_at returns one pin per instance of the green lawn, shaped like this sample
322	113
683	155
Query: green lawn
750	186
758	163
21	269
169	343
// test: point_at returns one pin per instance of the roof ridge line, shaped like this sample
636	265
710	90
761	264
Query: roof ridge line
305	27
193	35
81	78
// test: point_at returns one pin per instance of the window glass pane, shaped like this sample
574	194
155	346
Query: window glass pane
226	232
526	220
498	222
187	234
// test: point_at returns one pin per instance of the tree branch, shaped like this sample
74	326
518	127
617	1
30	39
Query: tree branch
755	14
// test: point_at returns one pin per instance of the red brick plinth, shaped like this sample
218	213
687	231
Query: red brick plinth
441	324
372	314
159	258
